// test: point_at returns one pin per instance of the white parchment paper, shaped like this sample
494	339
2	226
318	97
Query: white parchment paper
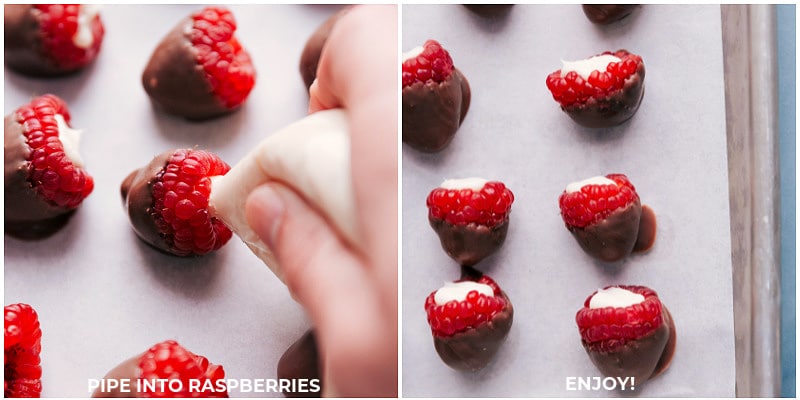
103	295
673	150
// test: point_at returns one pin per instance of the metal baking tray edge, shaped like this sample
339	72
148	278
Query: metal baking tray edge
751	103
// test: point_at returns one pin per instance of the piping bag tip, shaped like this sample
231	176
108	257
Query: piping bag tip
311	156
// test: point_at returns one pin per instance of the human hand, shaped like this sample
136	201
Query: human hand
349	289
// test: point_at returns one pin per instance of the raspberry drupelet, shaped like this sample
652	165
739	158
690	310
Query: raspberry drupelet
606	217
167	202
164	362
469	320
44	177
51	39
627	331
22	348
200	70
436	97
601	91
471	217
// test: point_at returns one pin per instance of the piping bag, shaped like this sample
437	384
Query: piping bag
312	156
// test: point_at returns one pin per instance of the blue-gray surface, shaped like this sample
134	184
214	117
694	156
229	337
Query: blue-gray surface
787	122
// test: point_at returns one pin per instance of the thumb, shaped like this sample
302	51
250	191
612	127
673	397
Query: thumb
328	280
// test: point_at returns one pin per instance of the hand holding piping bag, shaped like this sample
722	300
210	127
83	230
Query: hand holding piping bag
317	201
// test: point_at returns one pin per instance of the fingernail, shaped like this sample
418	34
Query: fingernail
271	210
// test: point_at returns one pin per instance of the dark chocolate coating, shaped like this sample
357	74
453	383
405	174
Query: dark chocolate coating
474	349
176	83
137	199
127	370
489	10
309	59
643	358
301	361
647	230
612	110
471	243
605	14
613	238
432	112
24	51
27	215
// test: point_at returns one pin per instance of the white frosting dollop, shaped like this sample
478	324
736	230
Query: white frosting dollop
70	139
595	180
585	67
475	184
459	290
413	53
83	38
615	297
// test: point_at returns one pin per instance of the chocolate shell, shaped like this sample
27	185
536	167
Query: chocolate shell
606	14
643	358
176	83
613	238
471	243
473	349
137	199
301	361
611	110
24	51
27	215
309	59
432	112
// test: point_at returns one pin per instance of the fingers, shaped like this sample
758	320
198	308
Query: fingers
357	337
313	157
368	90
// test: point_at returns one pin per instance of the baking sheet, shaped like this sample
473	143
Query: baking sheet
103	295
673	150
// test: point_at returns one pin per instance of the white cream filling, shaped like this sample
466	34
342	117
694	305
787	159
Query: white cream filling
458	291
83	38
70	139
595	180
475	184
615	297
584	68
413	53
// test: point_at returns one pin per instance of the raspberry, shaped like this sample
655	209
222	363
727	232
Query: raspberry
169	360
594	202
606	329
180	203
574	89
226	64
488	206
59	24
432	64
459	316
53	174
22	345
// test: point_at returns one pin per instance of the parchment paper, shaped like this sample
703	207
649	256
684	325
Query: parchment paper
103	295
673	150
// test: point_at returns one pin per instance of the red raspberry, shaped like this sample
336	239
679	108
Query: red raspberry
169	360
180	203
59	25
226	63
573	89
22	344
52	173
459	316
593	203
489	206
433	64
606	329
